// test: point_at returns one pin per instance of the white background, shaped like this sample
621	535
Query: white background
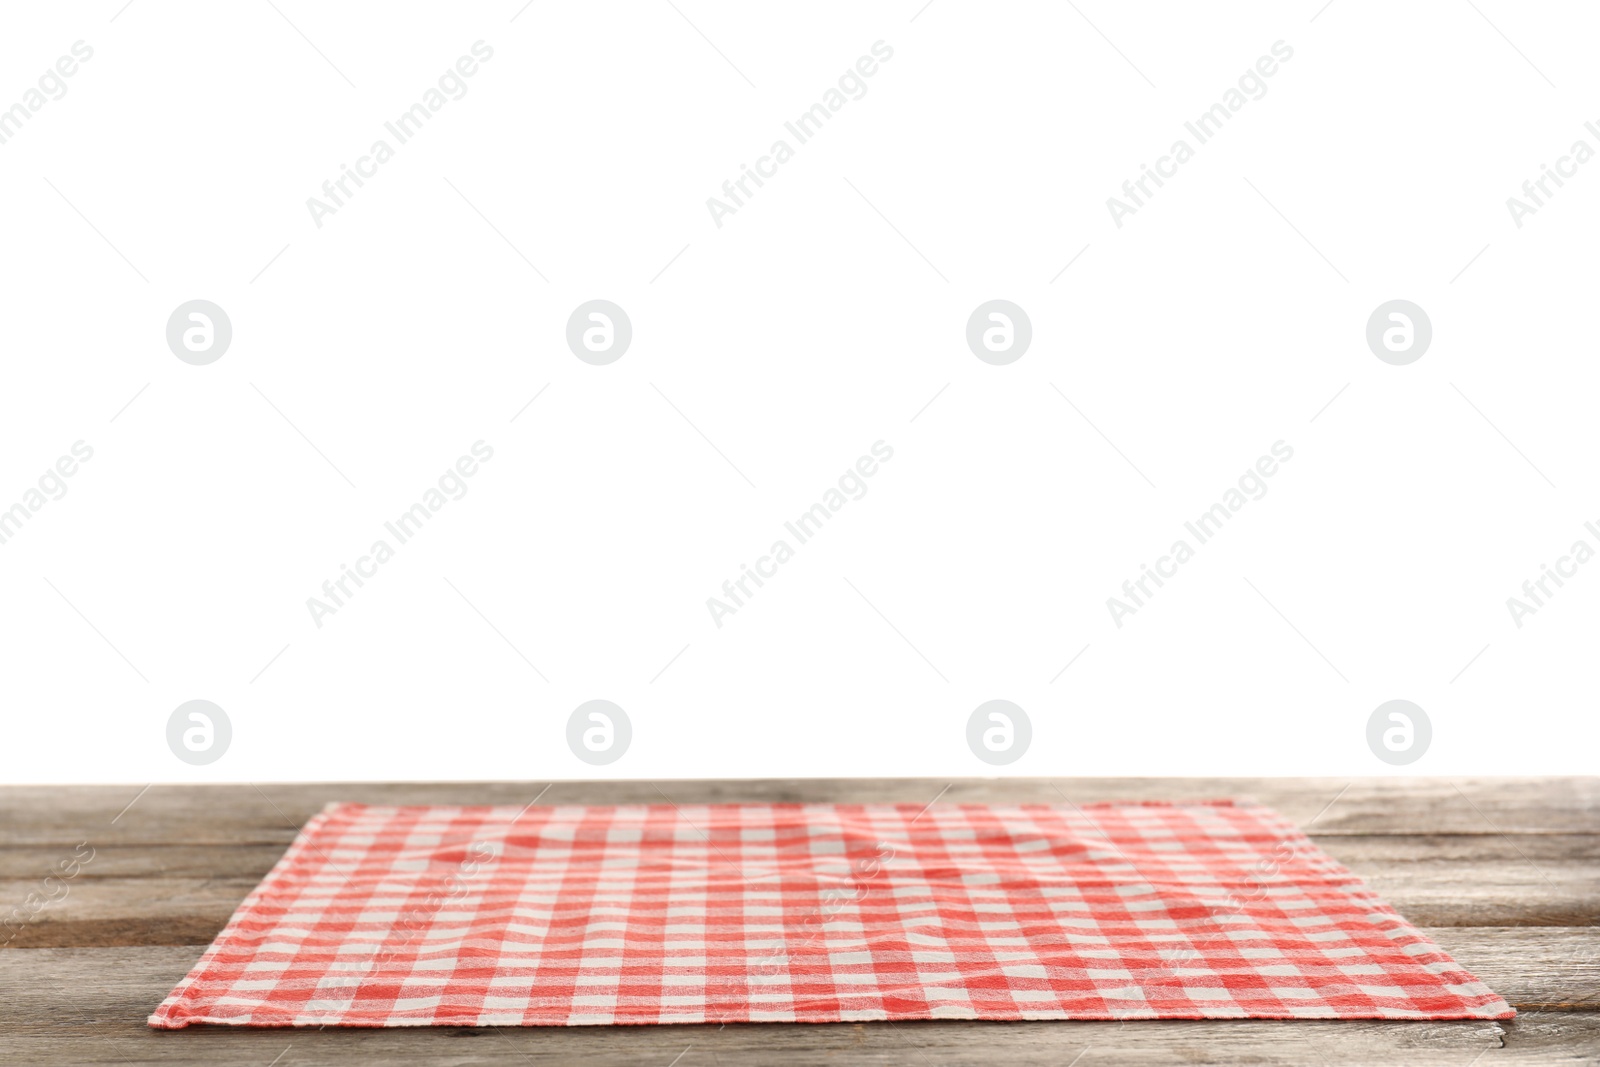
803	330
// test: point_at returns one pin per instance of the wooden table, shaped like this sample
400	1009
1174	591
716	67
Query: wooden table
1504	873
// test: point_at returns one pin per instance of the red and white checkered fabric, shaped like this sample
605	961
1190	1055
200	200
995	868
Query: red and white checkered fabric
571	916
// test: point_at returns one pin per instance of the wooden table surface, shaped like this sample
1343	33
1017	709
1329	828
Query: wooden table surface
1504	873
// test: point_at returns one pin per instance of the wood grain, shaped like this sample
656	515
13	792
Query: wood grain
87	1006
262	814
182	894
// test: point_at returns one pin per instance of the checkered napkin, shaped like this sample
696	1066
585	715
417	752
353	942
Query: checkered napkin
571	916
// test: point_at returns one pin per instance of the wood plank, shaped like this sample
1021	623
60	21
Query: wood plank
173	895
1477	880
1535	969
181	911
1436	858
245	814
933	1044
122	911
86	1006
117	860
